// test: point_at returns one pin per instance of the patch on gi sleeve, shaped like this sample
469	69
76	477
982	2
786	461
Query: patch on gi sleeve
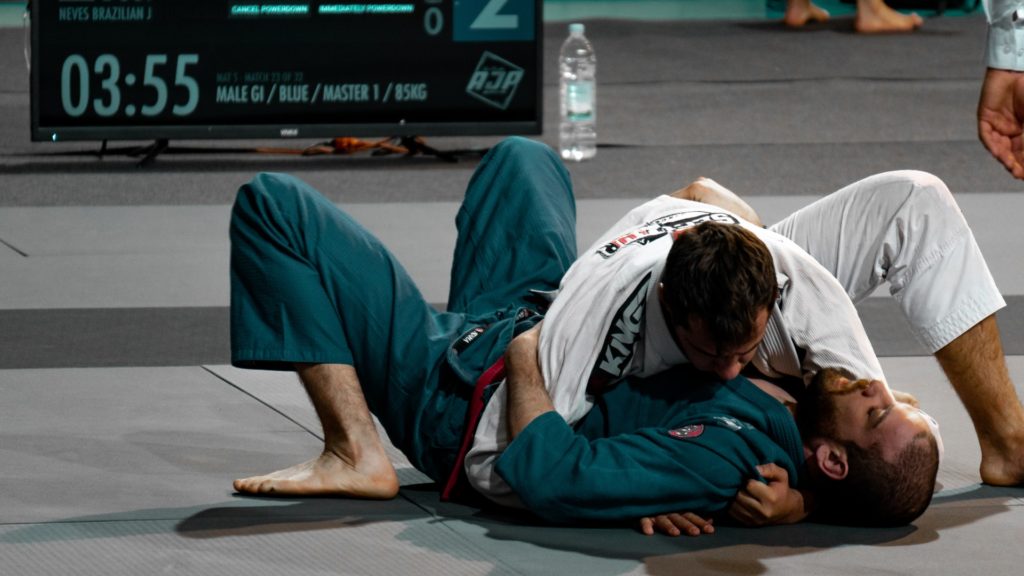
688	431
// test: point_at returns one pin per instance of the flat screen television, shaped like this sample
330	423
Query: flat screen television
162	69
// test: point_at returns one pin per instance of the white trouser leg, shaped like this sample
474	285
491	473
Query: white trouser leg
903	227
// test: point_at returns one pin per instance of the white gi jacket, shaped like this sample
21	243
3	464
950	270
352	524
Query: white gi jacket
607	318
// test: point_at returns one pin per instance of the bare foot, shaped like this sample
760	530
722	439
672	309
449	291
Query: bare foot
327	475
1003	468
800	12
878	18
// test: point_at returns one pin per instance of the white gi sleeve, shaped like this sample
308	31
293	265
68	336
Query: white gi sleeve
1005	34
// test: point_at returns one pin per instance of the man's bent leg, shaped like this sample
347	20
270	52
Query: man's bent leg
517	228
975	365
353	461
312	287
905	228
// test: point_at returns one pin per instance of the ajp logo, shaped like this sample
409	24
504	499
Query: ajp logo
494	81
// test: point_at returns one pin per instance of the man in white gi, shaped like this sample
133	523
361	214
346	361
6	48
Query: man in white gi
903	228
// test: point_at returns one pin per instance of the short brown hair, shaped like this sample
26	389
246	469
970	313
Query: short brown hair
722	274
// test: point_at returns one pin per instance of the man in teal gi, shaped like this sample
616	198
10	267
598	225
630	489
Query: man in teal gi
312	290
315	292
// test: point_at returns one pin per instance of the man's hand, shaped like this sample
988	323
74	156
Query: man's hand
761	504
676	524
1000	118
708	191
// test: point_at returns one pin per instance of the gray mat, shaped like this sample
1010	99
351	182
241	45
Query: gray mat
146	491
619	172
94	337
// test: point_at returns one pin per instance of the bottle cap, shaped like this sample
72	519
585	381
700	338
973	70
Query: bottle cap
576	28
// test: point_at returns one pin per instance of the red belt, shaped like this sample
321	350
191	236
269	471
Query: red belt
456	479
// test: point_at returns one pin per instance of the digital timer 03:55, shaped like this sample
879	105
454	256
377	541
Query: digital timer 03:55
106	69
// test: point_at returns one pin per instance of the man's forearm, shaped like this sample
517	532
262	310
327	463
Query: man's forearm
527	395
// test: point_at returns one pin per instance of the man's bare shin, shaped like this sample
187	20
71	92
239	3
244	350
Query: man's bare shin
976	367
353	461
338	400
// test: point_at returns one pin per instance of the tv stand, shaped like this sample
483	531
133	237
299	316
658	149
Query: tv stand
417	145
407	146
149	153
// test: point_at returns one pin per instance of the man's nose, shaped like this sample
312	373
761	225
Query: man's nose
872	389
728	370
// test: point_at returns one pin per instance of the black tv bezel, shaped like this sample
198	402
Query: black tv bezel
283	131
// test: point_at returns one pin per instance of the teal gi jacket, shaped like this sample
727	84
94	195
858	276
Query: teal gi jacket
663	444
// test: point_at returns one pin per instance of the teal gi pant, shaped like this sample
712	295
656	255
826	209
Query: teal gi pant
310	285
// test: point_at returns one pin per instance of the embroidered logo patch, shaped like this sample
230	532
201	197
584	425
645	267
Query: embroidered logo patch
659	228
689	431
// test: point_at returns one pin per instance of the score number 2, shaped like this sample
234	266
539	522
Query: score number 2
489	17
107	68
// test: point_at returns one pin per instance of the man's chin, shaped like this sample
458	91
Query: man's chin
816	414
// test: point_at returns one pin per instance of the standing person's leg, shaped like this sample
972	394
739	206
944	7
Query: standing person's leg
876	17
314	291
800	12
906	229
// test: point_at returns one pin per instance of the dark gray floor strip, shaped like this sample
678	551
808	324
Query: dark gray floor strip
66	338
82	337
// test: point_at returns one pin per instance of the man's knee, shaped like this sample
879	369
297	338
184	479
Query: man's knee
924	190
269	195
524	150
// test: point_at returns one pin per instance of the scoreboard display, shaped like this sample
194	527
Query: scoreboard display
141	69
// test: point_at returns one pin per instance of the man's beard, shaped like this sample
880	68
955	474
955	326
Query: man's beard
817	413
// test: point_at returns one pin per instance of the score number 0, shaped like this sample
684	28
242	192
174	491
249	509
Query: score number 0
108	68
433	18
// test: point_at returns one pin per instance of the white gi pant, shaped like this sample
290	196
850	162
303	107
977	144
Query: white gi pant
904	228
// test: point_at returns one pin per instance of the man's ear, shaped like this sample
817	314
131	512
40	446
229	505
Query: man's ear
830	458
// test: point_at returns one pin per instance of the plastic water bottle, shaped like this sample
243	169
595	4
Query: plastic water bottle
577	65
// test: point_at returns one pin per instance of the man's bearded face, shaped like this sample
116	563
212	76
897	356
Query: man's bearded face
864	412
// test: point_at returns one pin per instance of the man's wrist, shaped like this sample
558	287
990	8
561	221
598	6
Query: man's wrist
801	507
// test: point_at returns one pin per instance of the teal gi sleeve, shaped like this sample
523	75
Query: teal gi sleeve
562	476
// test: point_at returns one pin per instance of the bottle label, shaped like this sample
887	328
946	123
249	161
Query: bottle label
579	101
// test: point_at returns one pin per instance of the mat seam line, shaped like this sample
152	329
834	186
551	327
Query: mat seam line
13	247
256	398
